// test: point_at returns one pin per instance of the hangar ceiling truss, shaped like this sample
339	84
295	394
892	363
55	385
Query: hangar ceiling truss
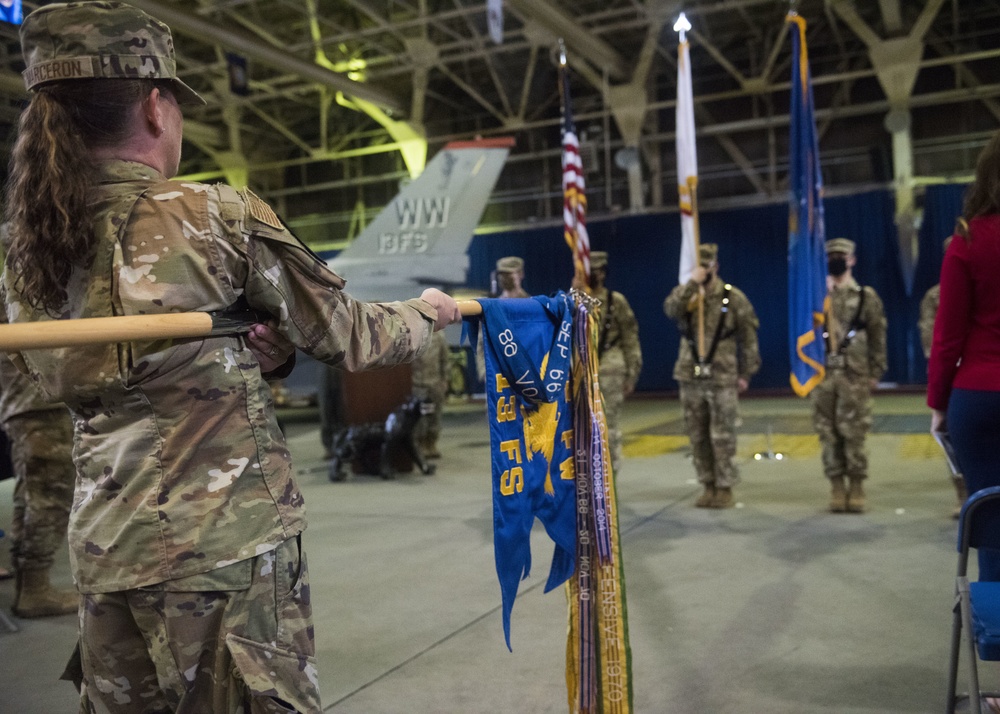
342	95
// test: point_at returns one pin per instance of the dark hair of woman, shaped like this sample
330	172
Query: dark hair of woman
50	229
983	197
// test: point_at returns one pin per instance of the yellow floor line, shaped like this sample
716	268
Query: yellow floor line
919	447
649	445
911	447
795	446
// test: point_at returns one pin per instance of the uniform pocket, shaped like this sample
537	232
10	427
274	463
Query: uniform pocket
292	597
269	680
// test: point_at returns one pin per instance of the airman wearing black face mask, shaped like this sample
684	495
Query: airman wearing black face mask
618	351
855	360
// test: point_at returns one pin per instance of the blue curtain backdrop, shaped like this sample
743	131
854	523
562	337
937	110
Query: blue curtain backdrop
644	252
942	206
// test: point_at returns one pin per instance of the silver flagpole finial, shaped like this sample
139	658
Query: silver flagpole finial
682	25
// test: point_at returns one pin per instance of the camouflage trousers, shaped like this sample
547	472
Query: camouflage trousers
842	416
611	376
710	415
236	640
428	428
42	453
330	400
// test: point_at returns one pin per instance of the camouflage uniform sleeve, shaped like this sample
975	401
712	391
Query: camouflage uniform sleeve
628	328
282	277
875	326
928	311
677	306
746	333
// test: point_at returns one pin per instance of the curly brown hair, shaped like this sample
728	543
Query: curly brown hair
50	223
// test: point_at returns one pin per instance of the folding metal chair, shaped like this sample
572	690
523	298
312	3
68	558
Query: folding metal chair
977	604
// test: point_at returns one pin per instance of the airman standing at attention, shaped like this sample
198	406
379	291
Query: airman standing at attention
430	384
928	311
509	274
711	381
41	443
618	350
855	360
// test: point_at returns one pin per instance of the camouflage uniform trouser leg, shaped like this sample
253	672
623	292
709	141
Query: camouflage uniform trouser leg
710	414
42	451
611	376
234	640
842	416
429	427
330	401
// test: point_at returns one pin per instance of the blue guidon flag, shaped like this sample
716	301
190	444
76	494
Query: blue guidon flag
528	350
10	11
806	234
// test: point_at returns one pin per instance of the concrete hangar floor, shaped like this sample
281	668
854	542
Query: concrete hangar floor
773	606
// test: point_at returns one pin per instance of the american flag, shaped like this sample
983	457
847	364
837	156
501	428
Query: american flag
574	195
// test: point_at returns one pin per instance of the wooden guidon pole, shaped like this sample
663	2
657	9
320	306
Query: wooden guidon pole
470	308
692	183
52	334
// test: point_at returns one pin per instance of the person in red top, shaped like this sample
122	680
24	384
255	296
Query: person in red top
963	386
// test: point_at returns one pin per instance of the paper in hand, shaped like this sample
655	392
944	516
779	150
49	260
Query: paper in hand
944	439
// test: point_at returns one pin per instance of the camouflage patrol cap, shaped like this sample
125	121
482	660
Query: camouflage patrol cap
707	253
840	245
598	259
510	264
104	40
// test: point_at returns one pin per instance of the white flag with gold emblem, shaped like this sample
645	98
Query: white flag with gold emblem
687	160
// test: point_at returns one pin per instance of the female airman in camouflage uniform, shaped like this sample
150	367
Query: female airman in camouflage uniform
185	528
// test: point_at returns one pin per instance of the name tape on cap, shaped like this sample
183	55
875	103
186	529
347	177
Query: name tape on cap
56	69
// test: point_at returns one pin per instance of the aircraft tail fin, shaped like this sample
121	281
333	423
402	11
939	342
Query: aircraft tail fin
423	235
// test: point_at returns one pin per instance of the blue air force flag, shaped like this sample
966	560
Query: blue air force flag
528	351
806	235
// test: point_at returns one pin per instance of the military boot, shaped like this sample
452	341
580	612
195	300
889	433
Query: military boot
723	498
37	598
838	495
962	493
707	497
856	497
